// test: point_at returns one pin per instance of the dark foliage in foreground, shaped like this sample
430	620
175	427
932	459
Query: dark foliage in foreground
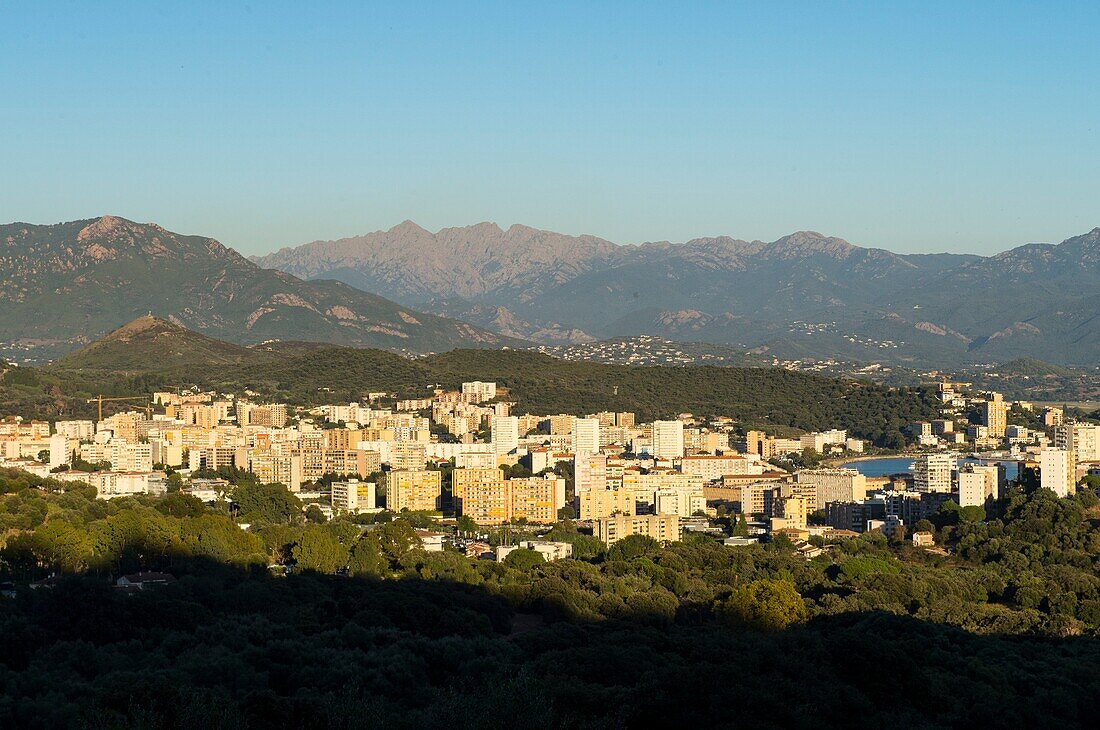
222	649
693	634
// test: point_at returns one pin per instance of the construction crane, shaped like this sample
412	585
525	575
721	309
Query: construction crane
100	400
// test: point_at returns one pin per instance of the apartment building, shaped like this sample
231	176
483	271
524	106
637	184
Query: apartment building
589	472
353	496
586	436
994	415
711	468
594	504
1083	439
463	480
476	391
668	439
414	489
504	433
932	472
494	502
276	466
1058	471
663	528
351	461
834	485
979	484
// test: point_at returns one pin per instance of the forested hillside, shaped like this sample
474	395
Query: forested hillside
62	285
537	383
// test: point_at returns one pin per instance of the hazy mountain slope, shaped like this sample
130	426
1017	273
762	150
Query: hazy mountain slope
412	265
73	281
938	309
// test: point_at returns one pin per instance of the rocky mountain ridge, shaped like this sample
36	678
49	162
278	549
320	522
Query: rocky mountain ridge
805	292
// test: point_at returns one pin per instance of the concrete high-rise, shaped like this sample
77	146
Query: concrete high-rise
1057	471
932	472
994	415
668	439
586	436
505	434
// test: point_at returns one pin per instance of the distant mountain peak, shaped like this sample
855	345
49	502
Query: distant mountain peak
409	226
144	323
106	226
812	241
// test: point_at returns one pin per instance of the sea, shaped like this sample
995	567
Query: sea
896	465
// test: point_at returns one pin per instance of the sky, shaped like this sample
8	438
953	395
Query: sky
967	127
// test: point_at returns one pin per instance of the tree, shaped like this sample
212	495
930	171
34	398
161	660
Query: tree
267	503
366	560
633	546
174	482
972	513
524	559
178	504
585	546
318	549
393	540
315	515
767	605
741	529
466	525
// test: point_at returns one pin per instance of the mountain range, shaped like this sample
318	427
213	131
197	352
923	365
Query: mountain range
63	285
803	295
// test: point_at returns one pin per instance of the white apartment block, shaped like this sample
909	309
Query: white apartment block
505	434
711	468
586	436
110	484
668	439
81	430
354	496
932	472
819	440
1082	438
834	485
479	392
123	456
1057	471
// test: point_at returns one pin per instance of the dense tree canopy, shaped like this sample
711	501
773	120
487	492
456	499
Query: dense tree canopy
638	634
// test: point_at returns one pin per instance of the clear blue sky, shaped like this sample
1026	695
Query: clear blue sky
912	126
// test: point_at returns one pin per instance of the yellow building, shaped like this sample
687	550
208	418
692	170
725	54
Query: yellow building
463	479
487	502
342	438
663	528
414	490
994	414
597	504
497	501
537	499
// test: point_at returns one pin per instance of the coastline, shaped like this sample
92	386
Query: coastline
835	463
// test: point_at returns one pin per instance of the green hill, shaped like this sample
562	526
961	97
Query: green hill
1032	368
152	354
149	343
